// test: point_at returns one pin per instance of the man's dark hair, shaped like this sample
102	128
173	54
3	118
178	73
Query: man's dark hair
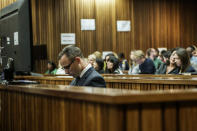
71	52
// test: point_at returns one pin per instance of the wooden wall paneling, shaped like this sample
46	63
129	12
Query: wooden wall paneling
85	9
123	39
4	3
151	117
105	25
186	108
187	25
154	23
170	117
133	118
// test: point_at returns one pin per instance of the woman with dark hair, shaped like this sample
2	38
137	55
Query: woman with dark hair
106	60
169	66
182	60
113	66
98	65
51	68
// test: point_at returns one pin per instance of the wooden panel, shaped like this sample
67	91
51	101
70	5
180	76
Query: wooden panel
33	108
154	23
4	3
141	82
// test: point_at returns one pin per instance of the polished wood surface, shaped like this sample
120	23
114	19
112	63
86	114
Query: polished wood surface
65	108
154	23
138	82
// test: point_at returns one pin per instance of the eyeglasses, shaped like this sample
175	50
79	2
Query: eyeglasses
68	66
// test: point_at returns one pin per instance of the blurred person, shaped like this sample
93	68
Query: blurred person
146	65
182	60
134	68
91	59
123	65
51	68
169	65
193	58
98	54
113	66
152	54
106	60
98	65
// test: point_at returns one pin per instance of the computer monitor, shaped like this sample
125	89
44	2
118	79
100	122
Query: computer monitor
16	36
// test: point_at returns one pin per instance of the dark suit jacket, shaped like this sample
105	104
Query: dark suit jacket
90	78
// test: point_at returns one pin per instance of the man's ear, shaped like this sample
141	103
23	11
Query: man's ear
78	59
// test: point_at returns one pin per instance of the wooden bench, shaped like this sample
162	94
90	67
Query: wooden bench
65	108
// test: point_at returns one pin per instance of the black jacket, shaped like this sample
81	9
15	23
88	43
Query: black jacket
163	67
90	78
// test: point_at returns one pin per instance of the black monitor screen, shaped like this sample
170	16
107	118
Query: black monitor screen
15	40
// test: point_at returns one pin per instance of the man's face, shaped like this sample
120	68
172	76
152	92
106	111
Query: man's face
71	67
153	52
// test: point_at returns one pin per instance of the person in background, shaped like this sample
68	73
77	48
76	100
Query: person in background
91	59
152	54
169	65
60	70
146	65
193	59
72	60
134	68
98	65
51	68
113	66
106	60
161	55
182	60
123	65
98	54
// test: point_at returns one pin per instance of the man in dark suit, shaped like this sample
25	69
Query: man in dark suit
72	60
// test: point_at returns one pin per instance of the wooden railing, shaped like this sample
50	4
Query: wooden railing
65	108
137	82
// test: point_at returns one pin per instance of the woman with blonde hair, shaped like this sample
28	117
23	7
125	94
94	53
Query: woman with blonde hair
146	65
91	59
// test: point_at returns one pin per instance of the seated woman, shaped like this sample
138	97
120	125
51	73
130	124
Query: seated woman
134	69
169	65
123	65
91	59
182	60
113	66
146	65
98	65
51	68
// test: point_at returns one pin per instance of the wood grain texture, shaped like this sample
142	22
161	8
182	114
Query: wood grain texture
4	3
34	108
154	23
131	82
